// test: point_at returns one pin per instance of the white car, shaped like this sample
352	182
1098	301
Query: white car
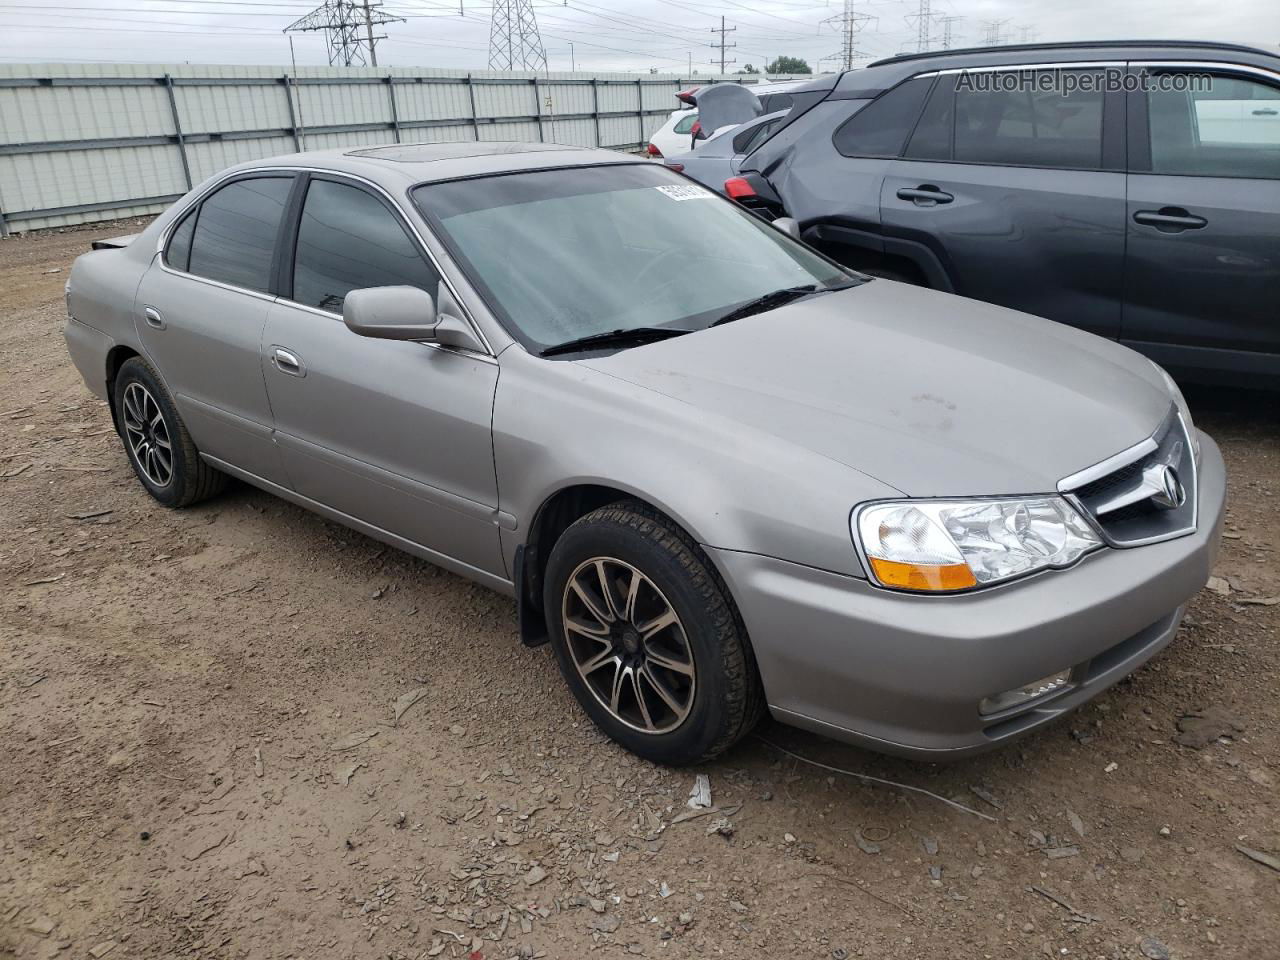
680	133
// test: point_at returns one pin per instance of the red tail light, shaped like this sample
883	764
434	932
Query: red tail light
689	96
653	151
677	167
738	187
696	129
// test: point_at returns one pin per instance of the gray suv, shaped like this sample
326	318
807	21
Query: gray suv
1131	189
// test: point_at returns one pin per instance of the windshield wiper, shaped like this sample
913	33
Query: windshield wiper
631	337
768	301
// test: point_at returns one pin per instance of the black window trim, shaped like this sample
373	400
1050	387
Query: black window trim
289	223
1139	124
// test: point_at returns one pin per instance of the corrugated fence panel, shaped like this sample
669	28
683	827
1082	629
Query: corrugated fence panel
85	142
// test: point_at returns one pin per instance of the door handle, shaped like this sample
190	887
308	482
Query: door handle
926	193
153	317
286	361
1170	219
1264	112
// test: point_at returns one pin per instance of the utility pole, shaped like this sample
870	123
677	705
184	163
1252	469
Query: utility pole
573	63
849	22
514	40
923	18
948	30
341	21
723	31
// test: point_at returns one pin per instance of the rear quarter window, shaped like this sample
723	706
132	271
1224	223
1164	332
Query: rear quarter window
686	124
881	127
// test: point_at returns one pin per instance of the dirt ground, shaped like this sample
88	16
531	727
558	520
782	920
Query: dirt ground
201	758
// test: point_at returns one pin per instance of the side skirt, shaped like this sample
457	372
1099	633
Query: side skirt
492	581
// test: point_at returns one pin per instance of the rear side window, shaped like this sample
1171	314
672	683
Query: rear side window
349	240
748	141
1021	120
178	253
1230	128
880	128
686	123
932	137
235	232
773	102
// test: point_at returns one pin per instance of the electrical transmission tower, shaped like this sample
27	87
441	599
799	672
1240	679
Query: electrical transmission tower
995	32
348	30
1028	34
724	32
924	19
850	23
948	25
514	40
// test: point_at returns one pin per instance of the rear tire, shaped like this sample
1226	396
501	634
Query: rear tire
686	691
156	441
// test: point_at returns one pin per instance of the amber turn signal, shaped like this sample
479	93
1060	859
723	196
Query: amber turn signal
923	577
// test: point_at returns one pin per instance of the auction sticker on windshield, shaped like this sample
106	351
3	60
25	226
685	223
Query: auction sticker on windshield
682	191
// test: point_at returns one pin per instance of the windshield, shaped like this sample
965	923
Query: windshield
565	254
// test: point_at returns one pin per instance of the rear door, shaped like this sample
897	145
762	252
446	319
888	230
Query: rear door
1202	275
393	433
1014	182
201	309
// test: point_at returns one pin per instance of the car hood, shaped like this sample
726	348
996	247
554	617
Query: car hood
931	394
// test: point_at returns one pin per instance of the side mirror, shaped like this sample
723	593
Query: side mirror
788	225
390	313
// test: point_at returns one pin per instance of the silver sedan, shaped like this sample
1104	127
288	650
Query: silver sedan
720	473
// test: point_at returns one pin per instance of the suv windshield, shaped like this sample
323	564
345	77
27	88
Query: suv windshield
564	254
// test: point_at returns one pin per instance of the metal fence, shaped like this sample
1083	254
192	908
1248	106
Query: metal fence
80	143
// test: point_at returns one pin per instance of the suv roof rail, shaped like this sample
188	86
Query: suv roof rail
1074	45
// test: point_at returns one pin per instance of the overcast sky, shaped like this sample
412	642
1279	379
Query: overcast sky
630	35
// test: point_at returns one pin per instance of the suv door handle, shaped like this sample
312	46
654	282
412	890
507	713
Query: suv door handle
1265	112
286	361
924	194
1170	219
153	318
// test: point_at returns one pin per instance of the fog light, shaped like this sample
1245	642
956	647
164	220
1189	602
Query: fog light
1019	695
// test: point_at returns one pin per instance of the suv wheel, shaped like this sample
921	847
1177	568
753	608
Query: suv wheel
156	440
647	638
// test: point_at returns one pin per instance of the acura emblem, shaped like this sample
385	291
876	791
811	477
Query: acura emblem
1170	494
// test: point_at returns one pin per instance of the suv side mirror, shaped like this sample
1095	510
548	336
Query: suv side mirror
789	226
390	313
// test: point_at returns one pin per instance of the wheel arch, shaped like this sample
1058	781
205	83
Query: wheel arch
116	358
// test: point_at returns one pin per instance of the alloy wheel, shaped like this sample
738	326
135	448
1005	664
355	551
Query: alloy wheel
147	434
628	645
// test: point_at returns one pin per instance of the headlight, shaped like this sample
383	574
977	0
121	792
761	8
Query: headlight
941	545
1181	402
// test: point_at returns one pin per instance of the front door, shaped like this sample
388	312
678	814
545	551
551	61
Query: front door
200	312
395	434
1202	275
1006	180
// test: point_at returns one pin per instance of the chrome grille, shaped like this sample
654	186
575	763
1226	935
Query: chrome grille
1144	494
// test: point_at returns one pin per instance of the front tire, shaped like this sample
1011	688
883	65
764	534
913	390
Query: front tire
160	450
647	637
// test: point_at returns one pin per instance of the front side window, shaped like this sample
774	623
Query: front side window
348	240
880	128
1028	119
235	232
1226	127
686	123
564	254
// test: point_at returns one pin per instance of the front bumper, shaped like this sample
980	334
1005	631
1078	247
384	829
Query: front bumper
904	674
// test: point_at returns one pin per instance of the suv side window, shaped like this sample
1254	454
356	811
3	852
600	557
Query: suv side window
348	240
686	124
932	137
235	233
880	128
1228	129
748	141
773	102
1030	124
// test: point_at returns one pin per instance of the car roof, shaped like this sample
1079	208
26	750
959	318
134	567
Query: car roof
879	76
396	165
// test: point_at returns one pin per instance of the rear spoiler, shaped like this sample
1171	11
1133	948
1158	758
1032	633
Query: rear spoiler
115	243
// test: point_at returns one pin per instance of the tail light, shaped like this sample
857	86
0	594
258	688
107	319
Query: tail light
696	129
739	188
756	194
653	151
689	96
677	167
